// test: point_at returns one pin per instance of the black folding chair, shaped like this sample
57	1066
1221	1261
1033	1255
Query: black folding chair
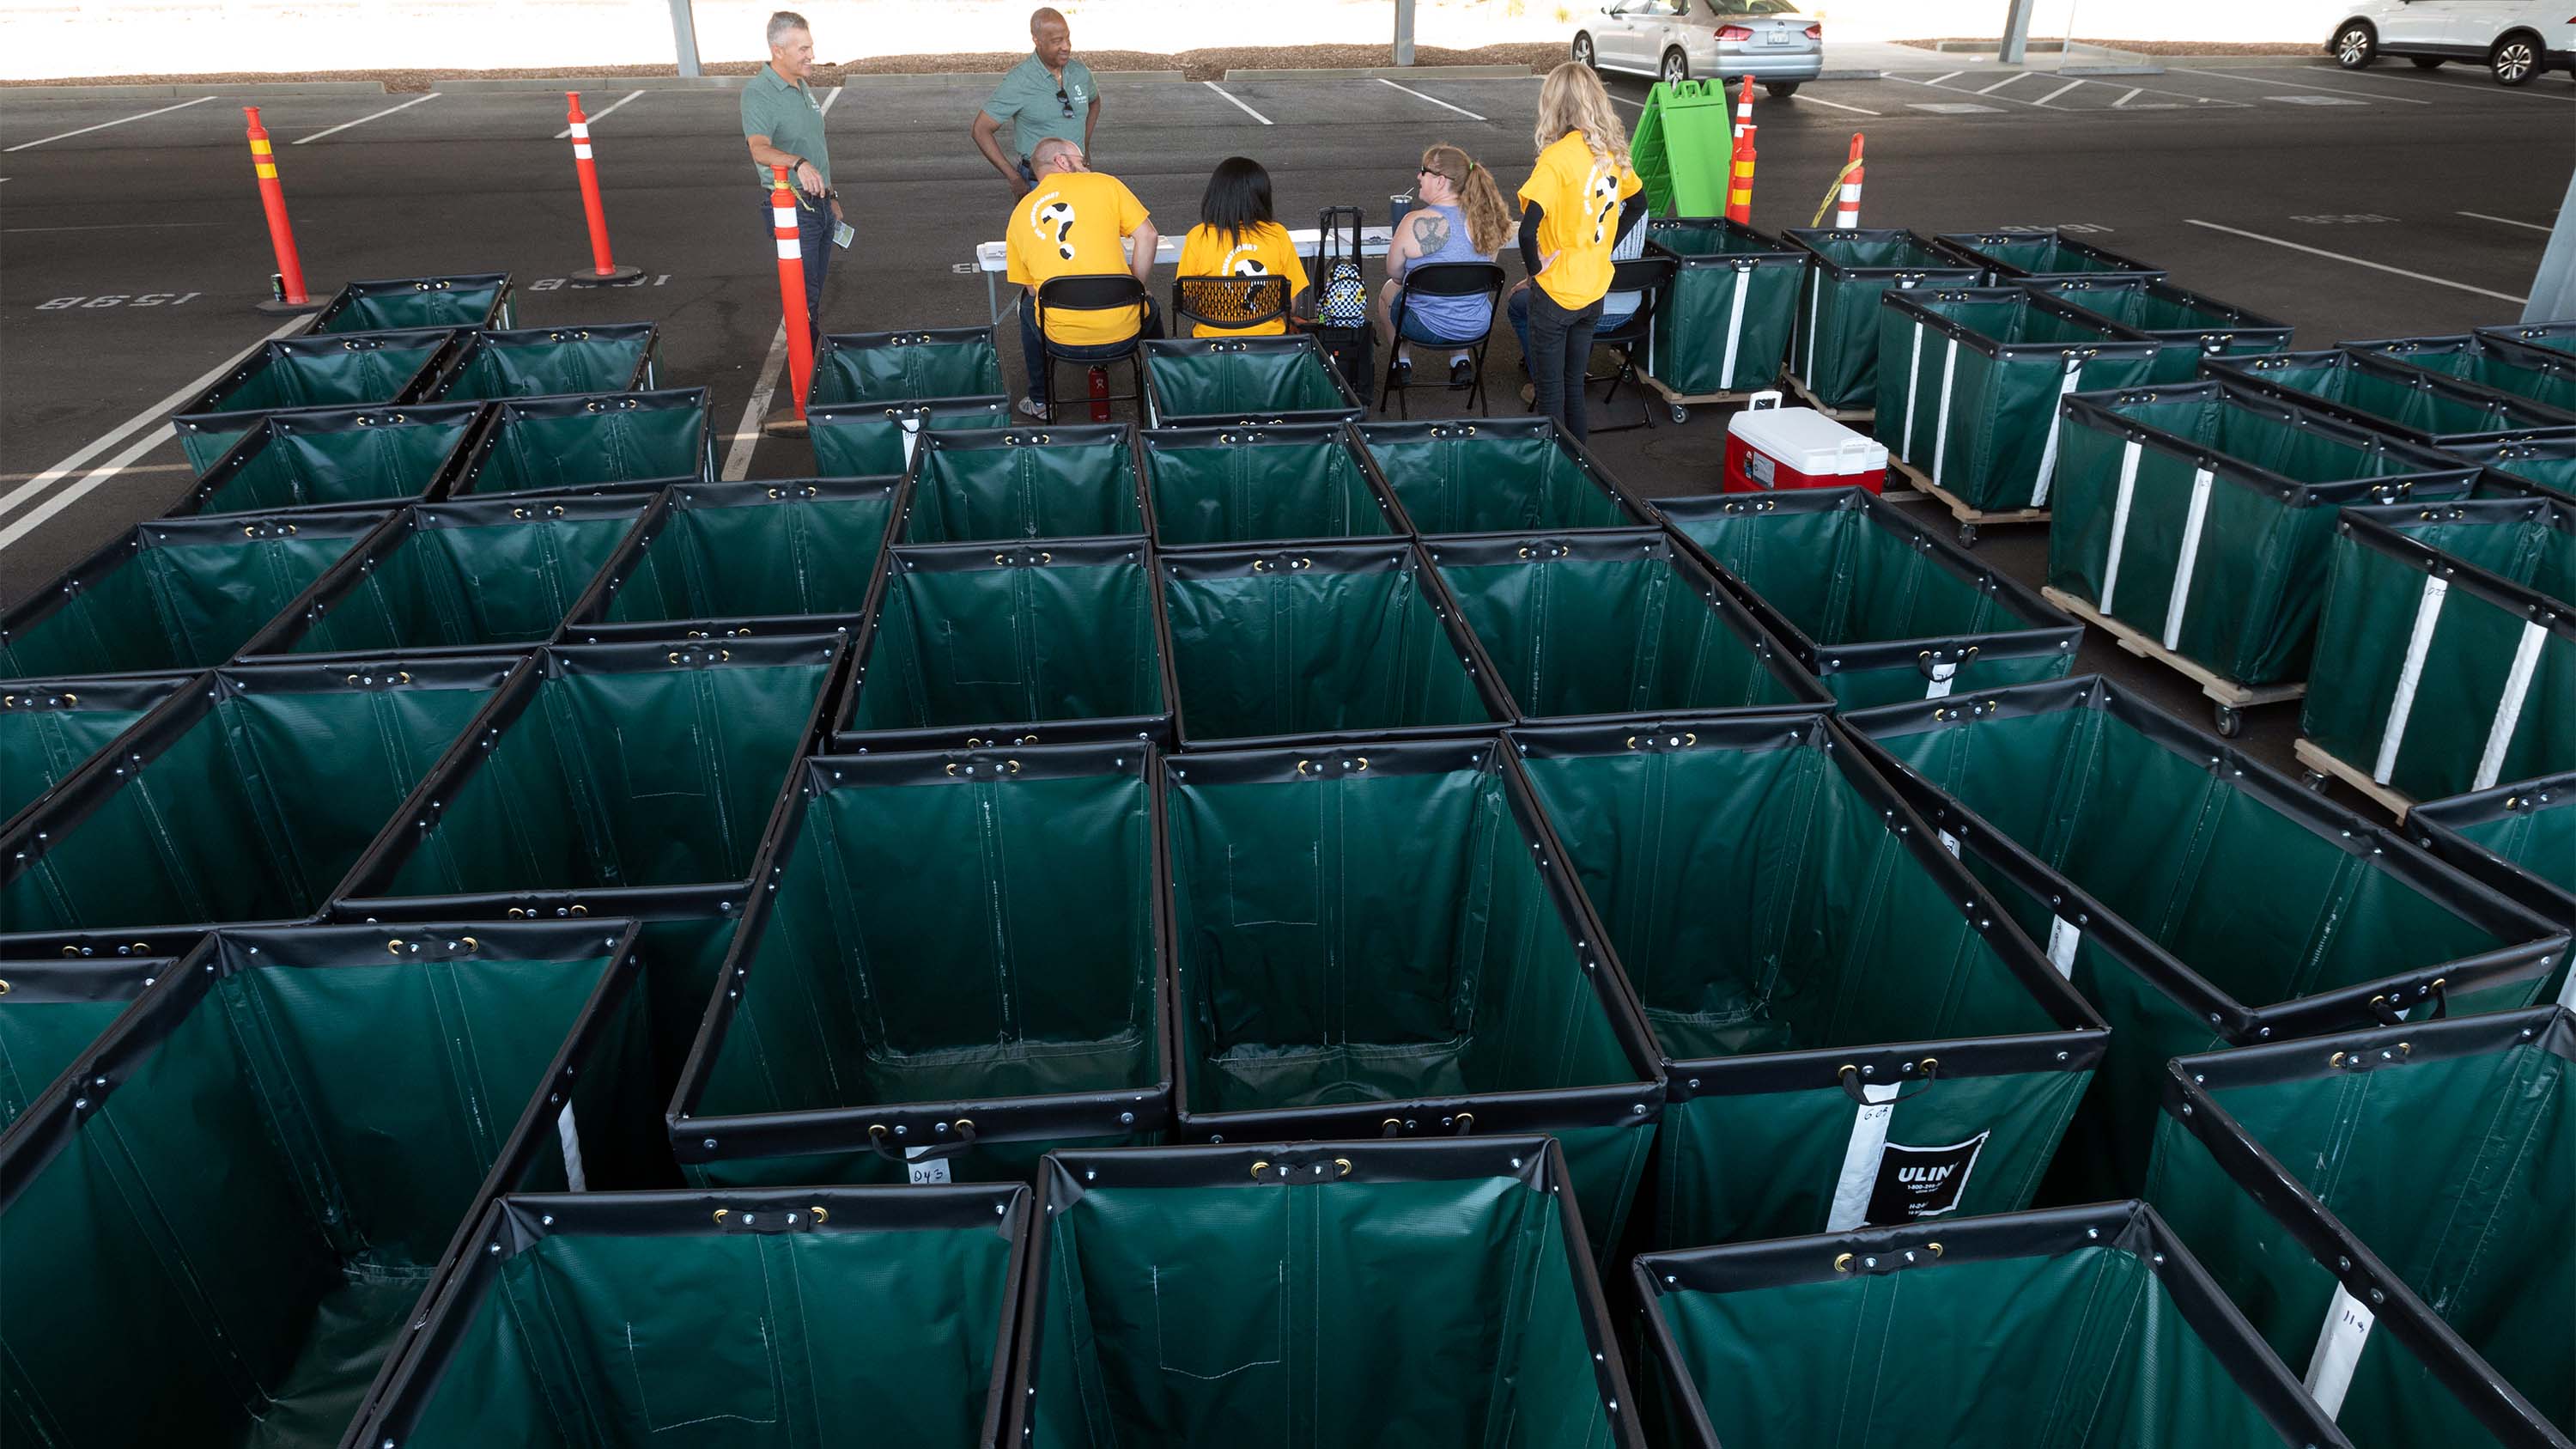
1649	278
1230	303
1443	279
1113	292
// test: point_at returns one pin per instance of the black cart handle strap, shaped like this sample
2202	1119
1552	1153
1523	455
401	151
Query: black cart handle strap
881	1142
1849	1076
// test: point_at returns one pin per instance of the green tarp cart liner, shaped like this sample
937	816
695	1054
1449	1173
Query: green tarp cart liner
53	1011
605	770
1724	326
1873	604
1030	877
1079	481
1413	962
588	442
2189	325
1265	484
176	593
262	1166
1199	382
2391	1210
243	797
2525	465
1835	357
1589	624
476	300
470	577
821	1316
2548	336
2201	518
323	457
2195	897
2520	839
2074	1326
2533	374
2039	252
1341	640
1850	1031
50	727
339	370
1969	381
546	361
1022	644
2386	395
1458	1309
870	440
2446	648
776	556
898	367
1496	475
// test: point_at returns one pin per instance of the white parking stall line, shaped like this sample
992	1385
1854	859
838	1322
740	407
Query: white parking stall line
2007	80
1958	90
2296	85
2508	221
1624	101
746	434
595	117
34	518
362	120
2133	93
2356	261
833	98
2471	88
1435	100
1837	105
2053	95
1936	80
1238	102
103	125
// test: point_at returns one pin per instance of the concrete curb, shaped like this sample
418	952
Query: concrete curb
589	83
176	92
1388	72
1857	73
993	77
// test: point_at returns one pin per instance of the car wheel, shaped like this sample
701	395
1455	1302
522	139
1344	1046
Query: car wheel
1583	51
2356	45
1676	68
2515	59
2425	62
1781	89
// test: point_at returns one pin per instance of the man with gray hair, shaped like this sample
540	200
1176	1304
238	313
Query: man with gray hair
784	124
1047	96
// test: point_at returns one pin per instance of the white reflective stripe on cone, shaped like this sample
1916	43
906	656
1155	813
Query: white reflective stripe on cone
2428	610
1860	1159
787	251
1734	328
1941	423
1913	375
2119	522
2180	599
581	130
783	217
2056	420
581	150
2508	715
2339	1344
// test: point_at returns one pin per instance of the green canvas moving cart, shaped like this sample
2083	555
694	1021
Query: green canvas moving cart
1029	876
2084	1326
1412	961
245	799
2520	839
586	443
50	727
868	440
1260	484
755	556
1613	624
2533	374
1833	363
1496	475
1850	1030
2189	325
337	370
2040	252
2195	522
1341	1294
1314	641
974	645
472	300
617	1321
2525	465
546	361
1874	605
1201	382
463	578
1969	382
262	1168
324	457
176	593
2196	898
898	367
2390	1208
2548	336
1722	330
1078	481
53	1011
2446	649
2387	396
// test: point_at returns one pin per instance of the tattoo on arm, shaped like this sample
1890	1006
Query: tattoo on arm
1430	232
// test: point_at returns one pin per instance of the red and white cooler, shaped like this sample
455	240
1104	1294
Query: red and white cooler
1769	446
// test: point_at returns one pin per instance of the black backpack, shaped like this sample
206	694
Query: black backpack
1342	301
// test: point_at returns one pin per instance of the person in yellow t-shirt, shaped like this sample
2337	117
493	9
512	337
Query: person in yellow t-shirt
1574	208
1239	236
1076	222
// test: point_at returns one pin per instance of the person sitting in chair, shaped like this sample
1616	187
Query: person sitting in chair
1239	235
1462	218
1073	222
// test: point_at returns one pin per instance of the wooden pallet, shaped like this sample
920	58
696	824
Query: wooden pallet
1682	402
2230	696
2319	762
1969	518
1798	385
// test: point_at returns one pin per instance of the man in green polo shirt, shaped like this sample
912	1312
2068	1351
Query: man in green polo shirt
1050	95
784	124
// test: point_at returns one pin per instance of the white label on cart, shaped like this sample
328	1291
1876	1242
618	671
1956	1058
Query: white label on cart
1944	675
926	1170
2063	938
1949	842
912	427
2339	1343
574	1178
1860	1159
1759	468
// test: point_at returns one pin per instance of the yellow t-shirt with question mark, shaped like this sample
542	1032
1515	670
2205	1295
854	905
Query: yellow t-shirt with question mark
1578	195
1263	249
1074	223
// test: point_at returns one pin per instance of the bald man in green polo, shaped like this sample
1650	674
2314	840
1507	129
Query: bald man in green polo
1048	96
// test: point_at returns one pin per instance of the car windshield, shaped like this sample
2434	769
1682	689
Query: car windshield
1755	7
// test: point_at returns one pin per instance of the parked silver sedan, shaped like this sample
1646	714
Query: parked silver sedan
1674	40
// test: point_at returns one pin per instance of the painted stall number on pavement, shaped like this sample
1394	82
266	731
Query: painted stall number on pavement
2343	218
548	284
120	299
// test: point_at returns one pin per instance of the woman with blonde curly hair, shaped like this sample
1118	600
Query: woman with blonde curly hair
1575	208
1462	218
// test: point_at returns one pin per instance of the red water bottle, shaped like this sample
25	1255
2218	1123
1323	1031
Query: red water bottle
1100	394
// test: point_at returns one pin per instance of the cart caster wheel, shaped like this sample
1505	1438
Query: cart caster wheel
1967	535
2231	723
2314	780
1681	415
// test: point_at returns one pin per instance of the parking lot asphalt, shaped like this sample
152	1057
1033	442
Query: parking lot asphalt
131	243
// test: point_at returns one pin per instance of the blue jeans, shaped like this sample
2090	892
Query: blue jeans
1557	346
814	240
1033	351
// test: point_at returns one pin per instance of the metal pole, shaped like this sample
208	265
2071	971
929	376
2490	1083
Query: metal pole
684	36
1404	32
2016	31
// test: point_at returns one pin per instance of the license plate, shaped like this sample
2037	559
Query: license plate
1776	37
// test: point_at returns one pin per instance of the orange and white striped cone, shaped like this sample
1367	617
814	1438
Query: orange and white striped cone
1847	209
1739	184
604	270
281	233
1744	107
791	286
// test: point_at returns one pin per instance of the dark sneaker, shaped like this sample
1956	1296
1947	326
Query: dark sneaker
1462	373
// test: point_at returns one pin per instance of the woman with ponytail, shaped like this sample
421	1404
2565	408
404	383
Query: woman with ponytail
1462	218
1575	208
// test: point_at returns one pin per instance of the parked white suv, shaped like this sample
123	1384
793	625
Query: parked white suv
1674	40
2515	39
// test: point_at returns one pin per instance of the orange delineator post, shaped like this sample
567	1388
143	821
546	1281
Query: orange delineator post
1739	184
1744	107
791	286
604	268
1847	210
281	233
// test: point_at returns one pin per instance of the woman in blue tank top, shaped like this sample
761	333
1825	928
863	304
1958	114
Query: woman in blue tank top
1462	218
